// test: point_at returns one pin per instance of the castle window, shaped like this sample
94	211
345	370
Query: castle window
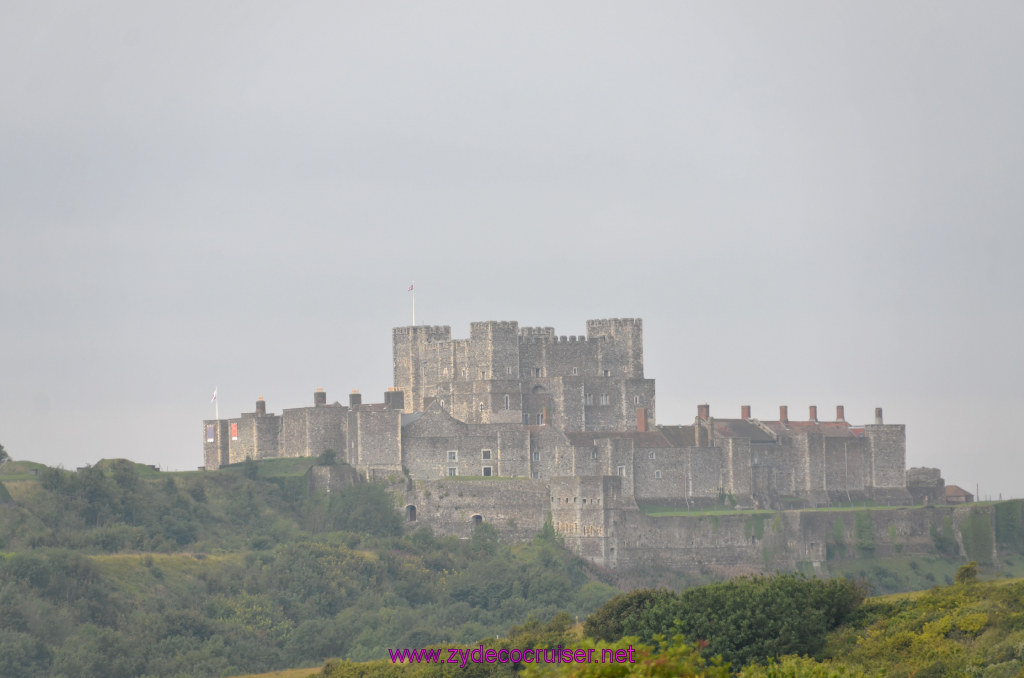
442	404
584	501
526	418
593	454
536	456
463	371
481	407
657	474
508	370
536	371
588	399
536	475
485	454
636	400
575	371
209	433
507	402
607	373
604	399
452	471
621	471
540	419
453	455
650	455
487	471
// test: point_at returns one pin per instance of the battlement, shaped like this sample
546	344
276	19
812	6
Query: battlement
494	326
613	324
424	332
536	331
569	340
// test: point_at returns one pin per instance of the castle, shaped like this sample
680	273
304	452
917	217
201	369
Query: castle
516	423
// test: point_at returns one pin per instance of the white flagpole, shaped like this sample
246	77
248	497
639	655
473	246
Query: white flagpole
216	405
412	288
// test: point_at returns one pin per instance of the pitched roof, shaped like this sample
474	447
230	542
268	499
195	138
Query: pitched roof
957	491
741	428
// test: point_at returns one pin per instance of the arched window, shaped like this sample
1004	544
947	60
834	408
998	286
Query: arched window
507	401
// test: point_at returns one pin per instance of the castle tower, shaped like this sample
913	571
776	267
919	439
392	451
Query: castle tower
624	354
416	355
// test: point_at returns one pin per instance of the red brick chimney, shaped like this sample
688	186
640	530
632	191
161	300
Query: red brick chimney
840	413
814	413
641	419
704	411
784	414
745	412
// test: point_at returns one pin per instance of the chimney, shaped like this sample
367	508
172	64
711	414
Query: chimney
319	397
261	406
641	419
878	416
784	414
355	399
840	413
394	399
814	413
745	412
703	411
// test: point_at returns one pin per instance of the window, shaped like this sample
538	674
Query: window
657	474
487	471
604	399
507	402
442	403
575	371
536	475
621	471
209	433
536	456
481	407
526	418
453	455
636	400
485	454
452	471
536	371
607	373
593	454
650	455
463	371
540	419
588	399
508	370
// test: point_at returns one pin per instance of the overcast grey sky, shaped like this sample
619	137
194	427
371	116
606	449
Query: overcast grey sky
807	203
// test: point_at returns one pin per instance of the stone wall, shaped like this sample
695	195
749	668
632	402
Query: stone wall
516	507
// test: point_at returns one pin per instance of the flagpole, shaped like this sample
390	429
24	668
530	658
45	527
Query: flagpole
412	288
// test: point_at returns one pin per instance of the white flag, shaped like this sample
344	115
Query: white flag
214	398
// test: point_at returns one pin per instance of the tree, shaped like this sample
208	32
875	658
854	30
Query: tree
328	458
3	455
967	574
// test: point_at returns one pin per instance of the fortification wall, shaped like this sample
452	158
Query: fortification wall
516	507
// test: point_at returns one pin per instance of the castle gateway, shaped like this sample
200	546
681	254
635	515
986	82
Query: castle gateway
528	423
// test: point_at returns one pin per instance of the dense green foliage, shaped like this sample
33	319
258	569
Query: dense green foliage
121	571
744	620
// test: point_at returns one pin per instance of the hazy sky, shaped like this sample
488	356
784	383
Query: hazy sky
807	203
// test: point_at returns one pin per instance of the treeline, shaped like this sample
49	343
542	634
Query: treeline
115	573
746	628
